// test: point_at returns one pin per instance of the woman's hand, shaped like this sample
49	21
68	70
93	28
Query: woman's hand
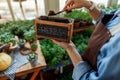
64	45
72	52
72	4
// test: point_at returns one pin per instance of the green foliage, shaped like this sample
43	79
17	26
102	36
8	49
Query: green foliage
21	41
16	27
32	56
29	35
33	46
110	8
53	53
81	39
6	37
78	15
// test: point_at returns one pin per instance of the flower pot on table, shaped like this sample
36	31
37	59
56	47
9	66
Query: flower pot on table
33	59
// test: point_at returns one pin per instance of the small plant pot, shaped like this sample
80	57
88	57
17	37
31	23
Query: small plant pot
33	59
22	43
12	46
2	46
76	24
34	46
83	24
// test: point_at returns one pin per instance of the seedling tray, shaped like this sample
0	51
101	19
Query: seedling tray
54	28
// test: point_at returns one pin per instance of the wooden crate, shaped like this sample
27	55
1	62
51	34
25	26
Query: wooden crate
60	29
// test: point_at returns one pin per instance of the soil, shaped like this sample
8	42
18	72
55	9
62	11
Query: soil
54	19
51	13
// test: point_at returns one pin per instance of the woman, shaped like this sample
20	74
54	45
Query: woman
101	60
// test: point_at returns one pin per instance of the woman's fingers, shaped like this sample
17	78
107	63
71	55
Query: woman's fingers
68	5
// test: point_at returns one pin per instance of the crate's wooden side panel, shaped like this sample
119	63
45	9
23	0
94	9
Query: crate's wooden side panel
52	23
70	32
66	26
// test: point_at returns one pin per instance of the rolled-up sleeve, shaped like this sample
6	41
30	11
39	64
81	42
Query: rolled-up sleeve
80	69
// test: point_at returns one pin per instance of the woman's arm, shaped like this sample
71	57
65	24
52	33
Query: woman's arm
74	55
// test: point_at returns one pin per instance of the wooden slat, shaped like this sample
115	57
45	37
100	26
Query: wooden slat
34	75
20	3
11	10
36	6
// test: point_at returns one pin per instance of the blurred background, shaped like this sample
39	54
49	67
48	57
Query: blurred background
30	9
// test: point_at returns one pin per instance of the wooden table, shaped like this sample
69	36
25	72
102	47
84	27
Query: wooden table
27	68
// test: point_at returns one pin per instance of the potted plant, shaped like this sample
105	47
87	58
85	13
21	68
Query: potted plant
32	58
21	43
12	46
6	37
30	35
9	39
33	46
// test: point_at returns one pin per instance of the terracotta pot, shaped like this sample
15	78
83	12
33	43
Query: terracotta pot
13	46
83	23
76	24
2	46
